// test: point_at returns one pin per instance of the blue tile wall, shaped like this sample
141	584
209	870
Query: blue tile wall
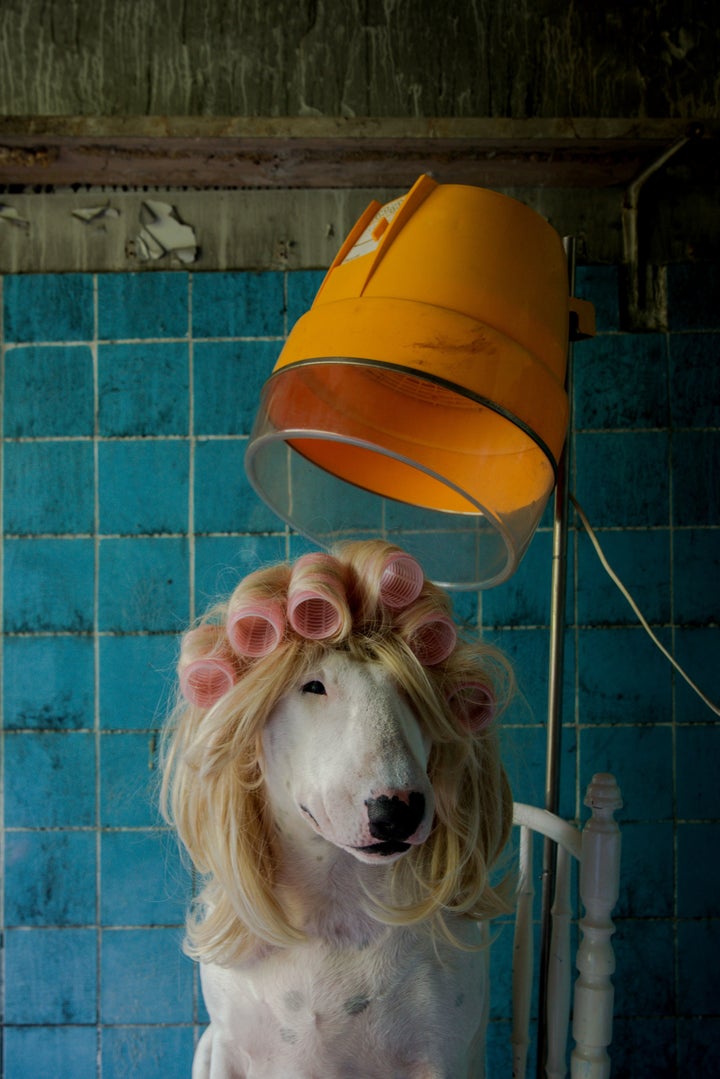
696	572
50	878
133	307
49	779
147	978
248	305
48	585
156	404
49	488
52	973
613	473
696	650
143	584
143	486
621	382
64	1052
695	379
49	682
219	365
35	378
49	307
145	1052
128	401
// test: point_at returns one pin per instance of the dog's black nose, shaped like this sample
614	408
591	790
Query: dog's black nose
396	816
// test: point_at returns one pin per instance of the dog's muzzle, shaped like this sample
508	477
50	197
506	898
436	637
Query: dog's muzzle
393	820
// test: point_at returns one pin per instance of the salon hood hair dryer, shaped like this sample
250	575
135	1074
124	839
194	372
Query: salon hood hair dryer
422	397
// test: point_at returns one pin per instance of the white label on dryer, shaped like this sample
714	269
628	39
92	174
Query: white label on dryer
370	237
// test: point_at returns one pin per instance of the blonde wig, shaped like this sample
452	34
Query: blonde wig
371	601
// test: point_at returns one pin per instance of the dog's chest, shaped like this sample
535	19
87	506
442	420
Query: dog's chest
316	1012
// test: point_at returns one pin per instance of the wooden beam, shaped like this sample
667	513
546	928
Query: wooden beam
332	152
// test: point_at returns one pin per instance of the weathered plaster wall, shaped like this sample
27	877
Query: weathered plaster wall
148	61
359	58
97	229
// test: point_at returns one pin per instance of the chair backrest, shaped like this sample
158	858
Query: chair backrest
597	850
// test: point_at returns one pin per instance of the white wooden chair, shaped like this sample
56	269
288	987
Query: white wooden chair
597	851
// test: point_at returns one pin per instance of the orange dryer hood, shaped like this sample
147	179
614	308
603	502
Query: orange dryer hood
422	395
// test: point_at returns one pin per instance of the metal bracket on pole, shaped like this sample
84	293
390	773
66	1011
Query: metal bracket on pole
643	294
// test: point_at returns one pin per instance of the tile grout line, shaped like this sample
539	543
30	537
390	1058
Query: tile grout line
123	341
574	533
286	331
2	681
191	452
275	338
192	598
212	436
673	706
600	530
96	677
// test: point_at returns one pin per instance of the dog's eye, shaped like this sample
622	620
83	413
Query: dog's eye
315	687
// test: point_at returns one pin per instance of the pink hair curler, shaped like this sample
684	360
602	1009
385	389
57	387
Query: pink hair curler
401	581
433	640
205	681
313	616
255	629
474	706
317	605
205	669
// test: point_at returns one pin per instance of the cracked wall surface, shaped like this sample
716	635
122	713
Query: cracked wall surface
358	58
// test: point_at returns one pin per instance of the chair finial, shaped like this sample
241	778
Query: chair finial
603	793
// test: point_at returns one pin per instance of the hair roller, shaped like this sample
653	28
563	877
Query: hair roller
317	605
433	639
383	579
401	581
255	615
427	628
473	704
256	629
206	669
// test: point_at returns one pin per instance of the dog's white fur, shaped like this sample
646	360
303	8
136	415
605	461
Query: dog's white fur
359	998
329	951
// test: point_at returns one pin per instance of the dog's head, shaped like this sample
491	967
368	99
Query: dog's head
332	700
345	753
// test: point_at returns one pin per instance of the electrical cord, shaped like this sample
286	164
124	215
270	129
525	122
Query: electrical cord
638	613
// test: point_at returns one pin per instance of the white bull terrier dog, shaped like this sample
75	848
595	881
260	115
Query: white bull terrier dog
333	772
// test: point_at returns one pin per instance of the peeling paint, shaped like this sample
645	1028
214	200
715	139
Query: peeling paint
163	235
300	229
96	215
13	218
